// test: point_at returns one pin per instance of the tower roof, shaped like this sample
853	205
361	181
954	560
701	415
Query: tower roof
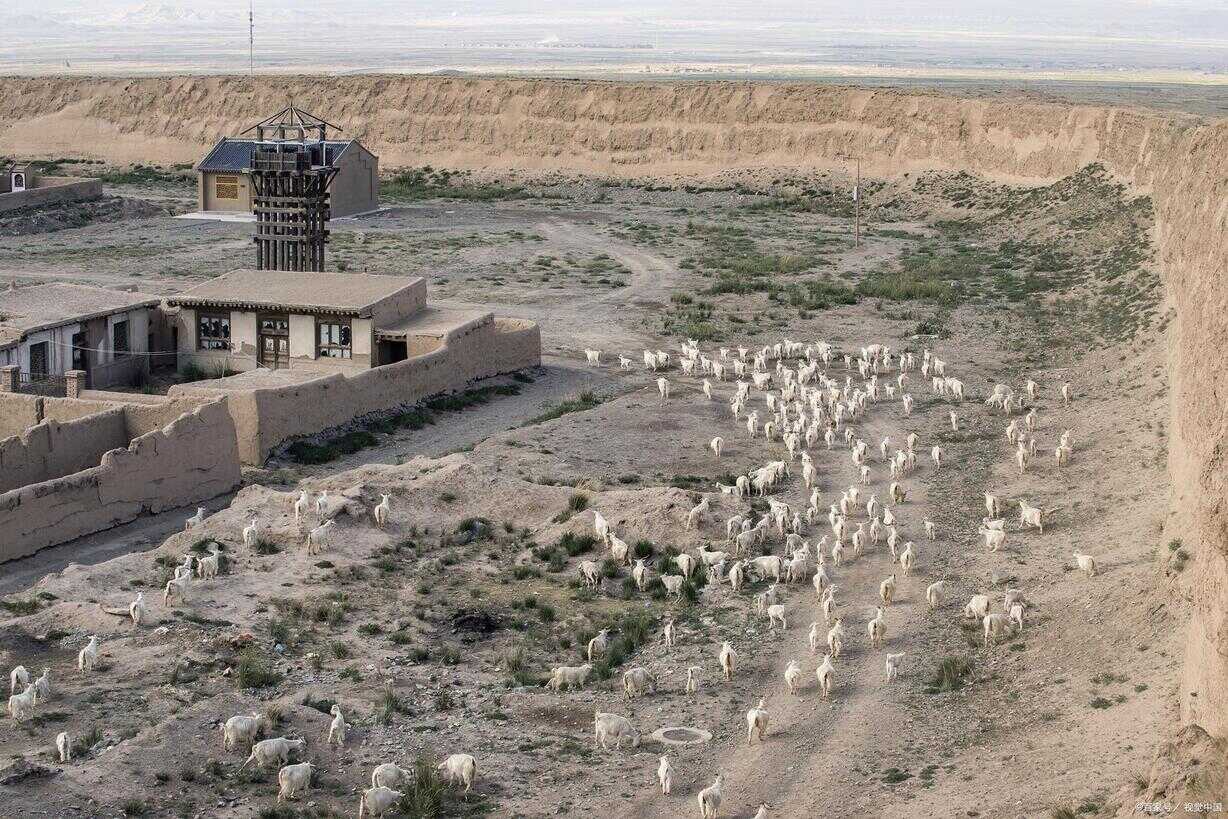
292	124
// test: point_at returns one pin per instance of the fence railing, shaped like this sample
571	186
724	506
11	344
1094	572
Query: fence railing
50	386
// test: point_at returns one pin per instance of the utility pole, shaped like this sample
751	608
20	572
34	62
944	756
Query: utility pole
857	206
251	38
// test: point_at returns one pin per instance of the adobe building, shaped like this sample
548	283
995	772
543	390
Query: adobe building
280	319
47	330
224	183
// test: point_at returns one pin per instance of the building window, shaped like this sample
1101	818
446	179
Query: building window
213	331
226	187
119	338
333	339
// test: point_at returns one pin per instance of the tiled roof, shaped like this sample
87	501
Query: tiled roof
26	309
346	293
233	155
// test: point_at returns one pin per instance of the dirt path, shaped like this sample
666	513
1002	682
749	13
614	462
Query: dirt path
606	320
821	754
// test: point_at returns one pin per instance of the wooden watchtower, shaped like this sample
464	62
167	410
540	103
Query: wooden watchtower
291	169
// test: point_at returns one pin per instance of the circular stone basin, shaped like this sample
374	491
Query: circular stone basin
680	735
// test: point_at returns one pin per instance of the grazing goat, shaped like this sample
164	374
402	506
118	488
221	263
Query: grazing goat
1033	517
568	676
933	594
293	780
995	625
460	769
638	681
717	444
276	751
593	357
977	608
663	388
377	801
18	677
1016	616
757	722
612	727
241	728
251	533
1087	564
390	775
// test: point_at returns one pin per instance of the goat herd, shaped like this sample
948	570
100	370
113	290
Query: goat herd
802	404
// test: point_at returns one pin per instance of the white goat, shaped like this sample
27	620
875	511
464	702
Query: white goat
612	727
337	728
382	510
87	658
460	769
317	538
293	780
665	775
710	799
377	801
757	722
728	659
195	520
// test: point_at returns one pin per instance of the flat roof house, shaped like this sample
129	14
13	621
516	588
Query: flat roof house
48	329
276	319
224	185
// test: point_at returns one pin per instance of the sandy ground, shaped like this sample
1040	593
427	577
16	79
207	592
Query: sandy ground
1061	715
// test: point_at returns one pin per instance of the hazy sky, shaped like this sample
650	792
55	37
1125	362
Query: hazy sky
1188	36
1187	19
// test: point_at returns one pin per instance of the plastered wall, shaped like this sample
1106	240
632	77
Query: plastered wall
52	449
264	418
192	458
52	190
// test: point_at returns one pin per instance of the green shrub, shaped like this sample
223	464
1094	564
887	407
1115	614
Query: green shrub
253	670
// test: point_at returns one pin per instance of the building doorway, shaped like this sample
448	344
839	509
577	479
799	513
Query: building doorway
39	360
274	341
80	353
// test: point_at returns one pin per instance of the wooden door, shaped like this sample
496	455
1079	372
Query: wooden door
274	332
